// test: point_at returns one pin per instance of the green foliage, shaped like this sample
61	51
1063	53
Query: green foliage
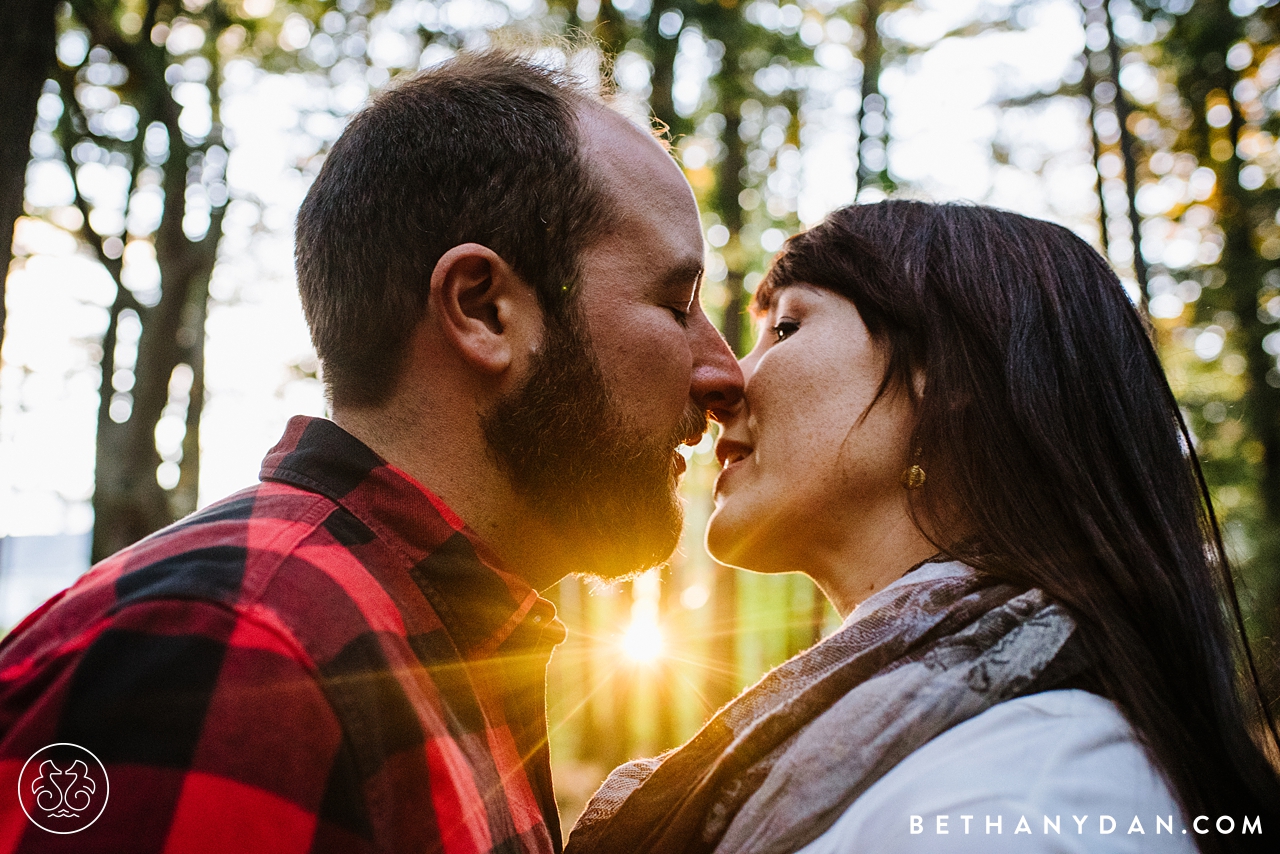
1208	166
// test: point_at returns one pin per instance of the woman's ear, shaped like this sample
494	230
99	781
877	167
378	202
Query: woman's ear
917	383
486	312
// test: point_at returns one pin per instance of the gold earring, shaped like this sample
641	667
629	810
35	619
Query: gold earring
914	477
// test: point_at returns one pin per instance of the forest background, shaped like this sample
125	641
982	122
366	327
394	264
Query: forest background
153	154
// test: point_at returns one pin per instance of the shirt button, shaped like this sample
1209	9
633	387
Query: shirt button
537	618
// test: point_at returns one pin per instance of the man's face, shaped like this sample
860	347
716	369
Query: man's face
582	465
590	438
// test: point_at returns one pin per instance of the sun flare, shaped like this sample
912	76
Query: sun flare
642	642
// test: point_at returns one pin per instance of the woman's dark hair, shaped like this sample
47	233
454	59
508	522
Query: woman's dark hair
1057	458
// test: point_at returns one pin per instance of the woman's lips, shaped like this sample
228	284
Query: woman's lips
731	464
729	451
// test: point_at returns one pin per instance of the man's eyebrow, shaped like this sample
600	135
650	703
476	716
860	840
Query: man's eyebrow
683	273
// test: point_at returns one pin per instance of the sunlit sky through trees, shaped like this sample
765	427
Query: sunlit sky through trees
950	138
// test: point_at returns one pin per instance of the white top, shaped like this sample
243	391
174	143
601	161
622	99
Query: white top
1066	756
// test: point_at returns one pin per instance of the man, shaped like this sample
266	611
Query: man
501	277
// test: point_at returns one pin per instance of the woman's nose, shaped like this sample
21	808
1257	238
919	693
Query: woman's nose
747	364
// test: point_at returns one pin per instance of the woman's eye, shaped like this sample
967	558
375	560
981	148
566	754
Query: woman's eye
785	328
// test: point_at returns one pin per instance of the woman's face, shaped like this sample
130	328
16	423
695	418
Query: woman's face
807	479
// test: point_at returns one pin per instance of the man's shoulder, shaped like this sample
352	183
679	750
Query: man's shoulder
226	555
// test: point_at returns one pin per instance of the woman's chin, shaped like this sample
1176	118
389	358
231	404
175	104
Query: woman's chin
722	537
732	540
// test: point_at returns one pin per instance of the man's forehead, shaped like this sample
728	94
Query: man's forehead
655	223
630	161
604	129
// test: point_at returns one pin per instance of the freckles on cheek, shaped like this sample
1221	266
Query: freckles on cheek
803	438
786	399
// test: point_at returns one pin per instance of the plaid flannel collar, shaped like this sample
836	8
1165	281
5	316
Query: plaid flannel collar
481	604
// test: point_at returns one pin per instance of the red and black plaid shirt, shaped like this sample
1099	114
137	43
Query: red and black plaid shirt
328	661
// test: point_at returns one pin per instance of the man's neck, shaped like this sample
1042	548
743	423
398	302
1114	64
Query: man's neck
453	463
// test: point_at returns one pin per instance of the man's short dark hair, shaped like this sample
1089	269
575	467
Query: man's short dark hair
484	148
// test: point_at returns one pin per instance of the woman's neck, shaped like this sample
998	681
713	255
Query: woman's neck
868	562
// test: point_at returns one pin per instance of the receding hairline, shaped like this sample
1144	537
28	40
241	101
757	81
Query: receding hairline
619	153
509	90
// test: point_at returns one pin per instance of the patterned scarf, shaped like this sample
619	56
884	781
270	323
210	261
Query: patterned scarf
776	767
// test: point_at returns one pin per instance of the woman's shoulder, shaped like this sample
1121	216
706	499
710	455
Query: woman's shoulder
1053	771
1071	721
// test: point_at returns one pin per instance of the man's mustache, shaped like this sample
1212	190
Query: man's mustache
693	424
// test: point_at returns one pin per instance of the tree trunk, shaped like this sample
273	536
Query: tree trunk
1198	46
1244	270
728	187
27	40
610	29
724	684
621	724
674	631
872	60
1130	161
1090	82
128	501
661	103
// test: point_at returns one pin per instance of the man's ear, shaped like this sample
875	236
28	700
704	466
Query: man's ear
486	312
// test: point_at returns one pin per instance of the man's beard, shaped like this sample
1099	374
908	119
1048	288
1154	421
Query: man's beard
579	463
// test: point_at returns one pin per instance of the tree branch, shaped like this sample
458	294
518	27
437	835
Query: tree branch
114	266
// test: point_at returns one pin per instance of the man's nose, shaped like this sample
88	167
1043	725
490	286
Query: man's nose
717	379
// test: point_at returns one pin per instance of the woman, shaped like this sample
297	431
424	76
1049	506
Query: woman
955	423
